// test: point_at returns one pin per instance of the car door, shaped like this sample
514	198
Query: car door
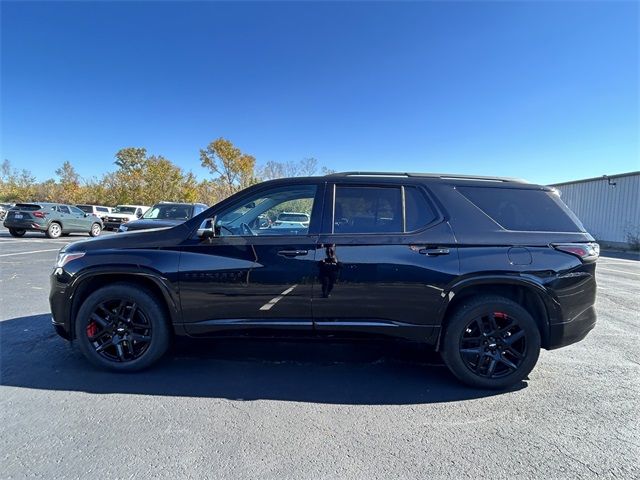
250	276
66	219
384	257
81	222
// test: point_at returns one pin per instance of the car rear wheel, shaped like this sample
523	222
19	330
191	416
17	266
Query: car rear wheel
17	232
122	327
491	342
54	230
96	229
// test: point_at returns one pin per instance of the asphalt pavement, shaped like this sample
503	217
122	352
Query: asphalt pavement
254	409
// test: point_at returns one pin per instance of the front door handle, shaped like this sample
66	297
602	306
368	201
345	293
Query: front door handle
432	252
293	253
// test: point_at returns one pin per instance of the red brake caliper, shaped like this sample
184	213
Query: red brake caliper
499	315
92	329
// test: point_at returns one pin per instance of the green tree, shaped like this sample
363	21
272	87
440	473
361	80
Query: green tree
131	158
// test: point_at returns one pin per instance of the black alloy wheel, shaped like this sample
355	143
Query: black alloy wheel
119	331
490	342
123	327
493	345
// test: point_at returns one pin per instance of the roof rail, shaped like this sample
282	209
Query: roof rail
443	176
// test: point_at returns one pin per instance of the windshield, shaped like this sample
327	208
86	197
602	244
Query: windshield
120	209
173	212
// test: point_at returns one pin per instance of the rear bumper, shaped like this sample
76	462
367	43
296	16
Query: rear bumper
563	334
575	314
30	224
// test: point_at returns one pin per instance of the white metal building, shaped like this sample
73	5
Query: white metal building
609	206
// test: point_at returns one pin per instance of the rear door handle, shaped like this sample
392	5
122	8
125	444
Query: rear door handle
432	252
293	253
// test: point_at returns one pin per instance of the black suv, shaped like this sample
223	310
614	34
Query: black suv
485	270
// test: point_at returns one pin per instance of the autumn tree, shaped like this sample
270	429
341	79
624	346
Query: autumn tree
303	168
69	184
235	169
16	185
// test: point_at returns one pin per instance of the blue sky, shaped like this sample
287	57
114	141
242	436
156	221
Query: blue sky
546	91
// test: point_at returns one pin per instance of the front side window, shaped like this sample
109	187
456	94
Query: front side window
279	211
367	209
77	211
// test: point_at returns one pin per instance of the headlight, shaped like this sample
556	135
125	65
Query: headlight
123	228
64	258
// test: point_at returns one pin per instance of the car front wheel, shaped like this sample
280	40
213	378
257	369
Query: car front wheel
491	342
122	327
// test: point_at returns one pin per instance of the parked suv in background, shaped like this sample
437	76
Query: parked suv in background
52	219
164	214
123	214
97	210
484	270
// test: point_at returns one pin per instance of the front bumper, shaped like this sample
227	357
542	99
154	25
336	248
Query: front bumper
112	225
60	305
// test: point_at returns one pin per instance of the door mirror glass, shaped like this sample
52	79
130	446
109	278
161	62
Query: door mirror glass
207	230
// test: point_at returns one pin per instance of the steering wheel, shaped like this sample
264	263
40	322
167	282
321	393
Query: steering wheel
246	230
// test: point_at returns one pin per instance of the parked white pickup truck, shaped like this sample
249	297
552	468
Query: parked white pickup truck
123	214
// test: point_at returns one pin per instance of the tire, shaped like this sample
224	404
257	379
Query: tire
96	229
472	347
54	230
152	330
17	232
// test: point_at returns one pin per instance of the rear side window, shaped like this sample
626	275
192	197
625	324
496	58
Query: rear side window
419	213
85	208
524	210
100	209
367	210
63	209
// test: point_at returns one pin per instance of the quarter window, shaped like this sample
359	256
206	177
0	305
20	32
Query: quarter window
419	213
523	209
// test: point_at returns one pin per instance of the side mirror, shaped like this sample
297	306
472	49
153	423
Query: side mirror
139	214
207	229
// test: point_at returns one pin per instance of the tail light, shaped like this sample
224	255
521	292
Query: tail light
587	252
39	214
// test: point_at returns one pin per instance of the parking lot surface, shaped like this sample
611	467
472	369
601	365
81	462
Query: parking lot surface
250	409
